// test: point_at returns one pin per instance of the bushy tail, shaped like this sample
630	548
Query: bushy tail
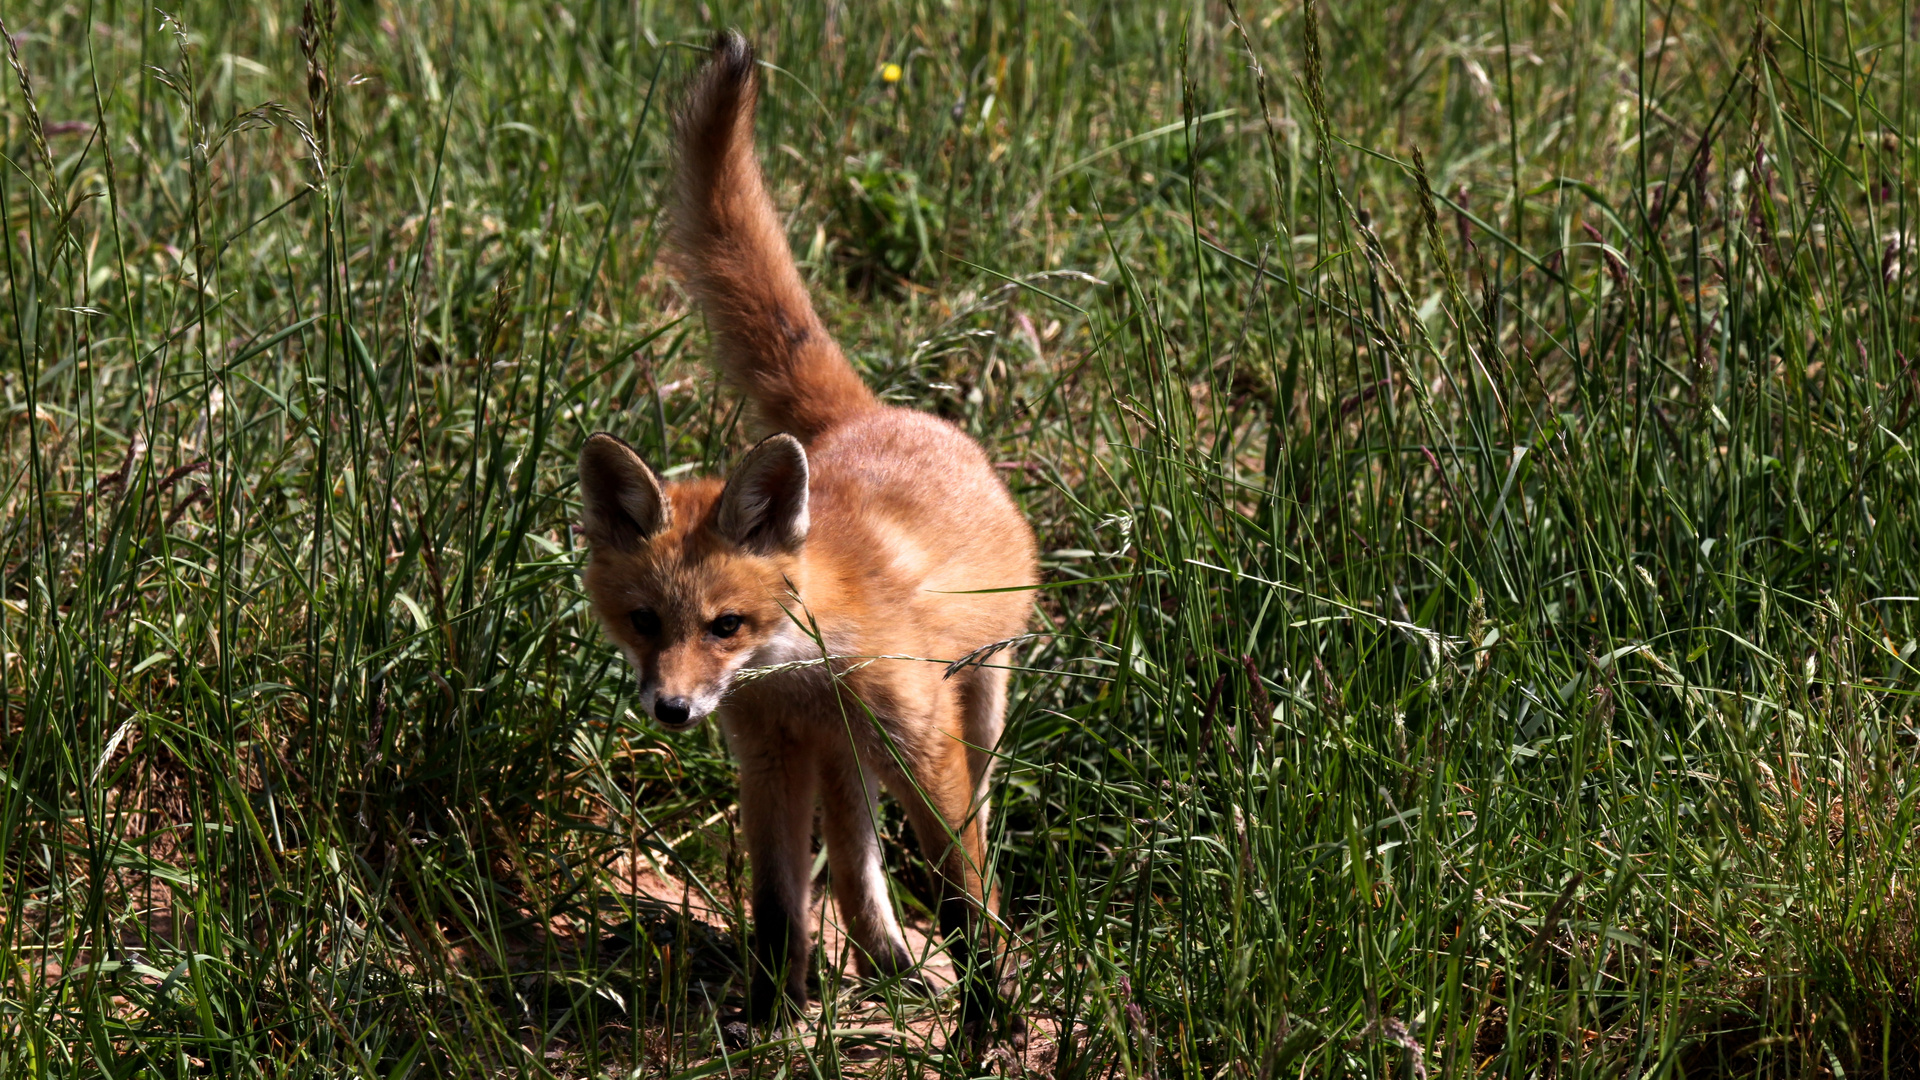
730	251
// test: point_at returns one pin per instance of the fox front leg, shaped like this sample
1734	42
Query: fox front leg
778	784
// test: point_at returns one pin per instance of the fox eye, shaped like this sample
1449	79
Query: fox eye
645	622
725	626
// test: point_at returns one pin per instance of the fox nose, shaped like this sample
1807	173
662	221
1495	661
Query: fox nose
672	711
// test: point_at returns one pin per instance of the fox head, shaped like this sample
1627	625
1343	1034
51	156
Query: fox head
694	581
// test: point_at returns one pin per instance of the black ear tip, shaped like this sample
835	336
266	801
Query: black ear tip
604	451
732	56
784	444
601	442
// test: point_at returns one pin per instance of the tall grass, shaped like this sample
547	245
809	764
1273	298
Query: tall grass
1470	442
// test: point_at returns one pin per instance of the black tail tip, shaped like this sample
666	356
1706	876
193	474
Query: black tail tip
730	56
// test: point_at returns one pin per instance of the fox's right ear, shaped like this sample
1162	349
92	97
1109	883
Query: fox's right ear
621	501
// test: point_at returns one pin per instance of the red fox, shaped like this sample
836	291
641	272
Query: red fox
855	535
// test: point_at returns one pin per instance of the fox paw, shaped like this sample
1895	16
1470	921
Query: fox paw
768	1003
983	1023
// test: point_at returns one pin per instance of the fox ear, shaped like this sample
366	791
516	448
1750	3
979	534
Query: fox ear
764	507
621	501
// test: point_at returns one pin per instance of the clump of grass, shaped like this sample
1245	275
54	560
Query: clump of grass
1471	446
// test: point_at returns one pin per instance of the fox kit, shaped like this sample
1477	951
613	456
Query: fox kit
856	534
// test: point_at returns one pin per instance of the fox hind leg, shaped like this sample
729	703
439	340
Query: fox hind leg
983	710
939	801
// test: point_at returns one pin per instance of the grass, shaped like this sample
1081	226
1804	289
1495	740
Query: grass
1471	442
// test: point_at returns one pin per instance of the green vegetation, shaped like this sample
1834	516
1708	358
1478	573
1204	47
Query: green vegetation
1471	440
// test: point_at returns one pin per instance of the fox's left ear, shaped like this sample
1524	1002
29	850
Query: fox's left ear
764	506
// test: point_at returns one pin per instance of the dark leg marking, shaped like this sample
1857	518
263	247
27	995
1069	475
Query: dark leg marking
778	982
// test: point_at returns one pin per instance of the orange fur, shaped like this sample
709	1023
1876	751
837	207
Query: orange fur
860	532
